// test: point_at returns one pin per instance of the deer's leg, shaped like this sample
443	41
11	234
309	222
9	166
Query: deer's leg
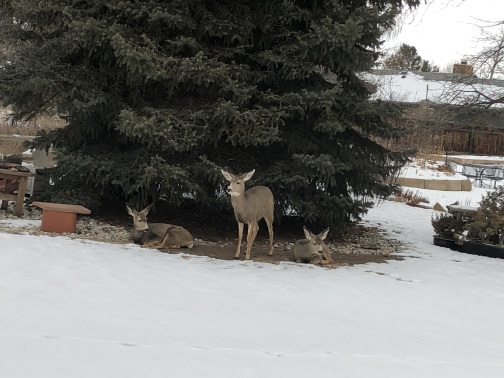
269	222
250	230
151	244
251	235
240	236
169	242
326	253
164	243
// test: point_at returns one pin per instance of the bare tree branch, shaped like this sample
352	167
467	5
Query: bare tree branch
468	90
489	61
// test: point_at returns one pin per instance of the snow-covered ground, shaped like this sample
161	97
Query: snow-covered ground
71	308
429	170
408	86
480	157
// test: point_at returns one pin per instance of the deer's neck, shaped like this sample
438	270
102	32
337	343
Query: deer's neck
137	236
239	202
241	207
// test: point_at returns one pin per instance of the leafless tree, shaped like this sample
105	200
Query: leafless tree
479	89
468	90
448	67
489	61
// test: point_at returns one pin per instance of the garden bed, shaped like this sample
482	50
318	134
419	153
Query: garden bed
447	243
483	249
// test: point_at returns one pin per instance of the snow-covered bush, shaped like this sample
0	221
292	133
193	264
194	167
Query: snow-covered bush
487	223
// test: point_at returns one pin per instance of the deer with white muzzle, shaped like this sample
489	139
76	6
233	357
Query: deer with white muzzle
312	249
157	235
250	206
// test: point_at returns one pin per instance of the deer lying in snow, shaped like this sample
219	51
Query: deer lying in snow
157	235
312	249
250	206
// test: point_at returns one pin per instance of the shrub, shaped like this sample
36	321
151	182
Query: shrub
410	196
446	225
487	224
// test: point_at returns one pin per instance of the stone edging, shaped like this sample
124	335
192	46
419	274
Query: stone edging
446	185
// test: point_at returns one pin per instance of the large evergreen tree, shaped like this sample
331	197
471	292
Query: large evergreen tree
159	95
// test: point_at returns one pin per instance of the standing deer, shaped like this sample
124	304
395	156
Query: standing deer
250	206
157	235
312	249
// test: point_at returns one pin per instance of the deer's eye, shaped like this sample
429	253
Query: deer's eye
237	182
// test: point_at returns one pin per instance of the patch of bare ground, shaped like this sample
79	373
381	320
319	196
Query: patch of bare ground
225	250
217	238
365	245
357	245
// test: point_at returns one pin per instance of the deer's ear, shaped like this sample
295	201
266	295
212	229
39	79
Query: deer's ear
130	211
248	175
228	176
324	234
147	209
308	234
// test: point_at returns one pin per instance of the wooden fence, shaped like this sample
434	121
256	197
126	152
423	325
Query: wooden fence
440	138
474	142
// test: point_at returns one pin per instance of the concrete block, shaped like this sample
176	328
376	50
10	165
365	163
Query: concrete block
436	184
466	185
411	182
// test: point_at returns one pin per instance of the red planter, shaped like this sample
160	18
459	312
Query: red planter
61	218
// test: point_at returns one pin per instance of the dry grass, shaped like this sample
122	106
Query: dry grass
445	168
409	196
8	128
11	148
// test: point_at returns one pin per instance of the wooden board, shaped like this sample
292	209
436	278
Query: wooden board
64	208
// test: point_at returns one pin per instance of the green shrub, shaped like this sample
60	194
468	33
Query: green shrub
487	224
446	225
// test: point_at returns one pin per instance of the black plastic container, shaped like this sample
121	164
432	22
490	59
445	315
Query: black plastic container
481	249
447	243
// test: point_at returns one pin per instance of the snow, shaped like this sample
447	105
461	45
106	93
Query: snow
405	88
75	308
499	159
433	172
413	172
413	88
21	222
466	209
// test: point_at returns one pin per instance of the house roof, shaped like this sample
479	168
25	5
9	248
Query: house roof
444	76
438	87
